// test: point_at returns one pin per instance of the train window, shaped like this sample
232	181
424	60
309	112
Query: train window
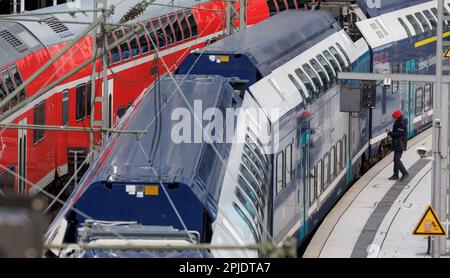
435	13
423	21
319	178
18	80
3	92
144	43
7	179
254	147
80	109
115	54
88	98
249	178
339	165
305	80
192	23
9	85
153	42
326	171
159	33
288	152
252	168
415	24
39	119
297	85
126	53
332	163
313	76
65	108
281	5
247	221
184	25
249	207
339	58
405	27
169	31
248	190
321	72
133	42
327	68
332	61
312	186
428	97
291	5
419	101
347	58
279	174
252	156
344	151
176	28
430	18
272	7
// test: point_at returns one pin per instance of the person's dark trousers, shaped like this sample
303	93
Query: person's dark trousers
398	165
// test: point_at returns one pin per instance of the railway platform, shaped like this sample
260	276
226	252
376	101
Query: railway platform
376	217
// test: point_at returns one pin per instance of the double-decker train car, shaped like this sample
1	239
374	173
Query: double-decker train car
33	159
293	161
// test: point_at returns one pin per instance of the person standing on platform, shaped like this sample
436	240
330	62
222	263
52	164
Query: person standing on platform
399	141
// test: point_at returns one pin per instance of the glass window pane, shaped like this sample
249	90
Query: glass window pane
297	85
312	187
327	68
126	53
192	23
80	102
339	156
332	61
272	7
184	25
323	76
319	178
279	174
347	58
281	5
415	24
338	57
176	28
133	43
313	76
309	87
326	170
428	97
88	99
65	107
405	27
288	164
332	163
430	18
419	101
291	4
115	54
425	25
18	80
168	28
159	33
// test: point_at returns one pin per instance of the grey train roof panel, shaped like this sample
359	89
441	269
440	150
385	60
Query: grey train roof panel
294	32
386	6
173	162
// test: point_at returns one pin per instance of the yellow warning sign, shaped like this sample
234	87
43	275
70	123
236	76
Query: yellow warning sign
447	54
429	224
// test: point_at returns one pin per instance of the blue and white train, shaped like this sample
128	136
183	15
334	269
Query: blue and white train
291	166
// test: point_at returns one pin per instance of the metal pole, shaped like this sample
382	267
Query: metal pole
437	115
243	15
105	91
76	169
15	7
22	6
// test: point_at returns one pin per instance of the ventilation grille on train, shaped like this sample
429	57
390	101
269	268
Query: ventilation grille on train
58	27
13	40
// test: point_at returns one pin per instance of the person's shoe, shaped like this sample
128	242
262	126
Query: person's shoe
404	177
393	178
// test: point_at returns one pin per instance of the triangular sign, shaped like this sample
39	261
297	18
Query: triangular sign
429	224
447	54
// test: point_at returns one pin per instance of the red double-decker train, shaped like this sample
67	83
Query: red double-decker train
32	159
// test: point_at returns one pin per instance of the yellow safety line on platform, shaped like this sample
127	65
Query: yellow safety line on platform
430	40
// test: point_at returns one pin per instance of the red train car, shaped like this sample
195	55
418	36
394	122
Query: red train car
34	159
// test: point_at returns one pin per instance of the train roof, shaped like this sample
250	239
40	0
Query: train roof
129	160
278	39
372	10
46	34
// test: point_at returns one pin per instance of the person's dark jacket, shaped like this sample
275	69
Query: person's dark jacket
399	135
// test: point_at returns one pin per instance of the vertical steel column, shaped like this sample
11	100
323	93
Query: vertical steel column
242	15
436	243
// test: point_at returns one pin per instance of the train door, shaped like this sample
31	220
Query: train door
304	184
22	159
